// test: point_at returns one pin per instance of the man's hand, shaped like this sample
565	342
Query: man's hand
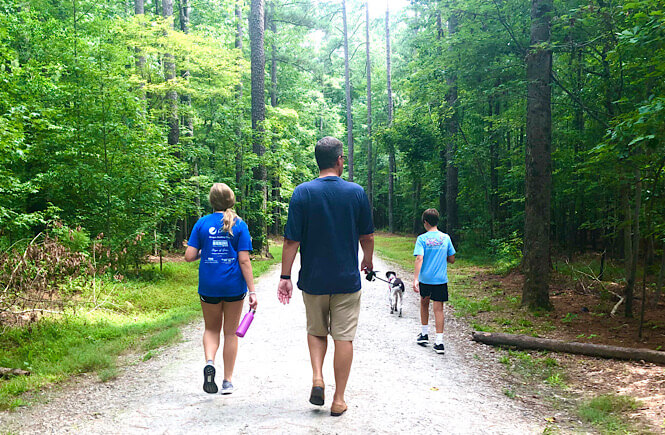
366	265
416	286
253	302
284	291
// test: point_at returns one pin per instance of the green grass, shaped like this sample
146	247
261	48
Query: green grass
608	413
137	315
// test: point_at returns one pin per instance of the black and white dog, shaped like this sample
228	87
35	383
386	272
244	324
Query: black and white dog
395	293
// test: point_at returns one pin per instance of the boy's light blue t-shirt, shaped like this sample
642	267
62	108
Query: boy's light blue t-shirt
435	247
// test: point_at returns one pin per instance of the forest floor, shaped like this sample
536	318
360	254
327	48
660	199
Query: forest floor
581	313
396	386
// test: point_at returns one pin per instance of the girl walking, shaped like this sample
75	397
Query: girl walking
222	241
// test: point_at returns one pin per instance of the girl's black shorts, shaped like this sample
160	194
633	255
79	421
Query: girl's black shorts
216	300
436	292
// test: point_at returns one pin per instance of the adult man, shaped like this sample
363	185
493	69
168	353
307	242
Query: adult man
327	218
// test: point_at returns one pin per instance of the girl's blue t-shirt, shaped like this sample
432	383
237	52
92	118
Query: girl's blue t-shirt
219	269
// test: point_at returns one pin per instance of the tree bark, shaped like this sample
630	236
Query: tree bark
273	57
7	372
391	149
239	143
256	31
139	9
169	75
185	11
635	244
538	180
452	181
661	276
274	101
598	350
347	86
370	188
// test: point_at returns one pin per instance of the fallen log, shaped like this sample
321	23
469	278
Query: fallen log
7	372
598	350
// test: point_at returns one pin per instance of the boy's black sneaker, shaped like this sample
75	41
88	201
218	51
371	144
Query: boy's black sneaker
439	348
422	339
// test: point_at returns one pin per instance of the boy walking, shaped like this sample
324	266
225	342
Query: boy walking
433	251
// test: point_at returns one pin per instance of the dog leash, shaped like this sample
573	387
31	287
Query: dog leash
371	276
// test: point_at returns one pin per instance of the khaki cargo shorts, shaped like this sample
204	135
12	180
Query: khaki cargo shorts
336	315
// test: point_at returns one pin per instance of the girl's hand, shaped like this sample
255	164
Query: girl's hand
253	302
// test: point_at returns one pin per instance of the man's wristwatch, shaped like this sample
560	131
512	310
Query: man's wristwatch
285	277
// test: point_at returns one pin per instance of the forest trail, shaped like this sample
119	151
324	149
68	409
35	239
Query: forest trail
396	386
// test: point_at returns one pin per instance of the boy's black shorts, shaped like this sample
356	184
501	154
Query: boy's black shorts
436	292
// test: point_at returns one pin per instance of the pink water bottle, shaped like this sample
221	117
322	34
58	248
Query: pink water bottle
244	324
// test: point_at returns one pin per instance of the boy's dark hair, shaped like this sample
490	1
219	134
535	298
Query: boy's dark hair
327	151
431	216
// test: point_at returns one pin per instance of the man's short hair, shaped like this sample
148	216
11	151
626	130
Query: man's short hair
431	216
327	151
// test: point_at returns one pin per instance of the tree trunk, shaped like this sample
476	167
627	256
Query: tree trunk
635	244
139	9
239	142
256	23
494	164
598	350
169	75
275	181
370	189
391	149
347	85
185	11
417	224
273	57
661	276
452	181
538	182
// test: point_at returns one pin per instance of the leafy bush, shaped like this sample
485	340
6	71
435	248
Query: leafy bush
507	252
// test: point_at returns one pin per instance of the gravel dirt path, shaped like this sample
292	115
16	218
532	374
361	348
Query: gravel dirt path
396	386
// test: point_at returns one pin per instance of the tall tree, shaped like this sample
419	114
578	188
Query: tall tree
370	190
239	151
538	180
185	11
452	183
171	94
391	147
139	9
347	87
258	60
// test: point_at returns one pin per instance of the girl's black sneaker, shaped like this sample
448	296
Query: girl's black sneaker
422	339
209	385
439	348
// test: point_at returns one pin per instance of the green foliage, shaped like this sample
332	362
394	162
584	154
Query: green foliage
608	412
507	252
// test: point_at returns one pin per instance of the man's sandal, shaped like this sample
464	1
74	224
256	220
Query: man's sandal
317	395
337	410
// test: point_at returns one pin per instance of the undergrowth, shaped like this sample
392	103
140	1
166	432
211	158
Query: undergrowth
138	314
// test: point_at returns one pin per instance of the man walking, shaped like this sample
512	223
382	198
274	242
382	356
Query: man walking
327	218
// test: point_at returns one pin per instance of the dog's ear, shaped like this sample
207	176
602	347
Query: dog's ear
390	272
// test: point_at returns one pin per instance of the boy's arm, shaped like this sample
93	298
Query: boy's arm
416	273
451	259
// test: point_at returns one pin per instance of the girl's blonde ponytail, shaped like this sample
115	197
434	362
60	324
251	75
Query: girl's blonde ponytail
223	199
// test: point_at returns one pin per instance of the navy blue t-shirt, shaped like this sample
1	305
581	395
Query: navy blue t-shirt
327	215
219	270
